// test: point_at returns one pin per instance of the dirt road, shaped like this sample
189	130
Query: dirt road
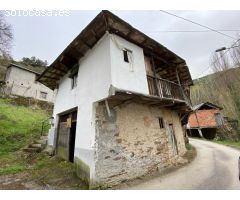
215	167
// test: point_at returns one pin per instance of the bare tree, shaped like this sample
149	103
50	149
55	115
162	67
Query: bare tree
6	36
222	87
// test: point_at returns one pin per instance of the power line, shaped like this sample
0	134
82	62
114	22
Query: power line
189	31
214	30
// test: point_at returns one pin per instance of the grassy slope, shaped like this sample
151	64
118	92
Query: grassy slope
18	125
212	88
229	143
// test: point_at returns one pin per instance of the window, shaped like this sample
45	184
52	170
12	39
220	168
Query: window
219	119
161	122
43	95
74	80
125	55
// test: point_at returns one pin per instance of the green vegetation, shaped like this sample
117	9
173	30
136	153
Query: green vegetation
11	169
188	146
18	125
40	169
229	143
221	88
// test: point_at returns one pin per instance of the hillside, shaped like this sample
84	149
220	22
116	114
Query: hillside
20	170
221	88
18	125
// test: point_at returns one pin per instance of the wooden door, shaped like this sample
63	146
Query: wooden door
63	141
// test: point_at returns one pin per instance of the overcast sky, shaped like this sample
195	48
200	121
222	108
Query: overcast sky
46	37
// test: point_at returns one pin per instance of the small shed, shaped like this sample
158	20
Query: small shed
204	120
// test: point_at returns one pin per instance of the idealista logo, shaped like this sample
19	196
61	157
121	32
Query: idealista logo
37	13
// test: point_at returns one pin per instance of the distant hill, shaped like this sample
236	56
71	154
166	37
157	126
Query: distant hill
221	88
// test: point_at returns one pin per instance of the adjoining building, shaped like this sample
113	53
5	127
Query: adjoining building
20	80
204	120
119	99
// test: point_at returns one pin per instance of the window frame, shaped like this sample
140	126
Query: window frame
43	93
161	122
125	55
74	79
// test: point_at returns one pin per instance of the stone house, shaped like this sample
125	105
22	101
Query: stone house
20	80
204	120
119	99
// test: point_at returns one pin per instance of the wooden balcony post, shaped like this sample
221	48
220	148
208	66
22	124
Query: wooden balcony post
182	91
154	74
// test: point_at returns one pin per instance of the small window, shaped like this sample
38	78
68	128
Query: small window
74	80
43	95
161	122
125	55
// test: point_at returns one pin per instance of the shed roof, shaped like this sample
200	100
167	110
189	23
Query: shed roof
206	105
106	21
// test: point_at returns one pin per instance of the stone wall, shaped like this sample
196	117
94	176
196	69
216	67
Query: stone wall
130	143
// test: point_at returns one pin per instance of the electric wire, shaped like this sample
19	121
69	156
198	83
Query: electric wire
214	30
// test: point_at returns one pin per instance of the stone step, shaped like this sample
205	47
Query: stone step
44	138
36	145
44	142
32	150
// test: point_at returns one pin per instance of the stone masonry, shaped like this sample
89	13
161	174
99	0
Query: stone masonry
130	142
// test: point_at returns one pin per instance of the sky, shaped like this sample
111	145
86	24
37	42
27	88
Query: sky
46	37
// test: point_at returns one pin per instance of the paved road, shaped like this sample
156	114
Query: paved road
215	167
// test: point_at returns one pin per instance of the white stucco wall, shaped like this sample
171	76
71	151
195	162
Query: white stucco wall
122	76
94	80
101	67
23	83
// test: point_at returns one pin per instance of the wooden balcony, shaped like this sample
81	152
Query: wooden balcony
164	88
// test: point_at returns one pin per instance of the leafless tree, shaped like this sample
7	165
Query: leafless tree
6	36
223	87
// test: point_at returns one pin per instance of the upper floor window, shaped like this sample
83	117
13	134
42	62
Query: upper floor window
125	55
128	58
43	95
74	80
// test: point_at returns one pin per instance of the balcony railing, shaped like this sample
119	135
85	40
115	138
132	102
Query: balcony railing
164	88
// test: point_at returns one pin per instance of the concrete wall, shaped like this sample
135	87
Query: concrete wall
93	83
123	77
23	83
131	144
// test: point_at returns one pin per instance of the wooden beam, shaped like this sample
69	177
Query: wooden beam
78	52
95	35
55	73
143	42
62	68
86	44
129	33
50	77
